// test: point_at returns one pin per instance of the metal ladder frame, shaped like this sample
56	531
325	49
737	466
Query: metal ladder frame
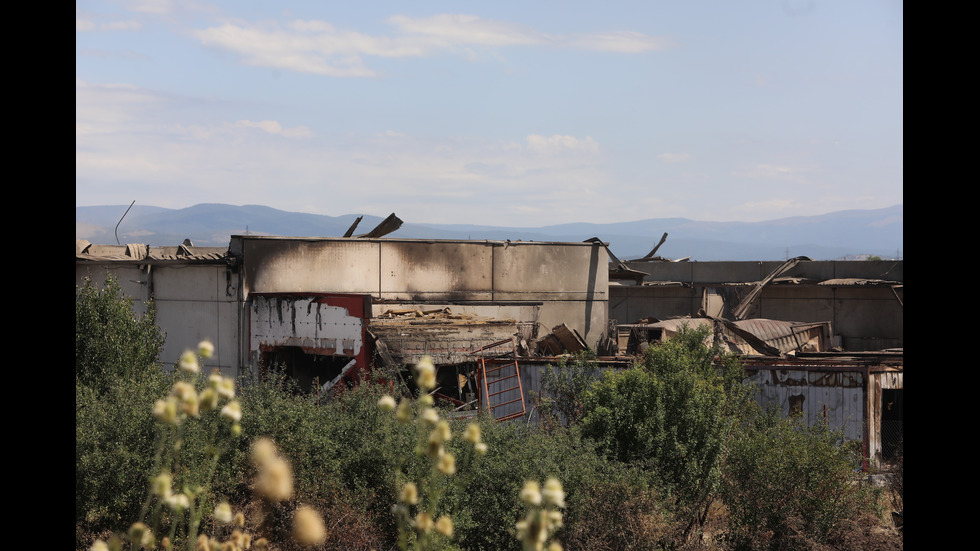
486	396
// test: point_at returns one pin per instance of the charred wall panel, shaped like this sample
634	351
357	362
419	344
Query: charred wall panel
796	303
868	312
628	304
416	271
312	266
529	271
330	327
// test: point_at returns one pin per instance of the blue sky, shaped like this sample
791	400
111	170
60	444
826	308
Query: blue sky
500	113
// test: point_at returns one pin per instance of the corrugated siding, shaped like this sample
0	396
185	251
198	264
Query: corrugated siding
841	405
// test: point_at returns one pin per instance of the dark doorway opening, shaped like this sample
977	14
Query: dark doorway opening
310	372
892	421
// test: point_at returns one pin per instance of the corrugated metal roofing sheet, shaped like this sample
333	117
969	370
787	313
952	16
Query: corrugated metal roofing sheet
133	252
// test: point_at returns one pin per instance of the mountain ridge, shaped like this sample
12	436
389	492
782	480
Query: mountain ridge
821	237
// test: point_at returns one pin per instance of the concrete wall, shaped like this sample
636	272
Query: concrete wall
742	272
569	280
192	303
865	317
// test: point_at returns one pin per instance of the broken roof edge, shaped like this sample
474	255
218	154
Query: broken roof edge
147	254
780	282
496	242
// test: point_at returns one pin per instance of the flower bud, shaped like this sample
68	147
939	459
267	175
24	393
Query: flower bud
553	493
205	349
165	411
232	411
387	403
177	502
308	528
140	534
531	493
183	390
443	431
263	450
209	399
188	363
447	464
444	525
423	522
222	513
226	388
425	374
275	481
430	416
472	433
161	484
190	405
409	494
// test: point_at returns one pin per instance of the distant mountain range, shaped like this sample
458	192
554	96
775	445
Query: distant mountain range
842	234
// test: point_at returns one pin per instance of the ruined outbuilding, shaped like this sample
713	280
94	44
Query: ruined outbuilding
494	314
859	394
328	308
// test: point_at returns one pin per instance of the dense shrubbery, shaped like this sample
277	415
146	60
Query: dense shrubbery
117	378
115	443
789	486
660	442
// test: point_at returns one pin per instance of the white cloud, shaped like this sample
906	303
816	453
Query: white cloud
85	25
157	7
121	26
133	143
273	127
675	157
764	171
303	51
457	29
551	145
313	46
625	42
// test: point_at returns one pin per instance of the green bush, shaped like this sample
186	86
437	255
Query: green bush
788	486
672	415
117	379
115	443
343	453
563	388
111	341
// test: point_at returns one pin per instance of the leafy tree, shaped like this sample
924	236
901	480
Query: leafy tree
672	414
111	341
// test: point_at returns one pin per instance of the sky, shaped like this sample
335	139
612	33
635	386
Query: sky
496	113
